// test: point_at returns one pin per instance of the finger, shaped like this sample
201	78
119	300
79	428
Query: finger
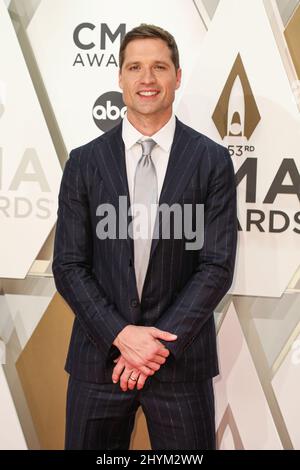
163	351
132	383
156	362
117	359
159	359
141	381
153	365
146	370
117	371
163	334
124	378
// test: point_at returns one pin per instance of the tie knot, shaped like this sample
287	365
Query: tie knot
147	146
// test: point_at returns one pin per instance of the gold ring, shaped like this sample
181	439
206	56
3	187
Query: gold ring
132	378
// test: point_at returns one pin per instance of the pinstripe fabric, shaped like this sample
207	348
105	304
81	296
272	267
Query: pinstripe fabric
99	416
181	289
179	416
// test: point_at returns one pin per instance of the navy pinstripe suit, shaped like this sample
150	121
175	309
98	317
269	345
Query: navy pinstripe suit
181	289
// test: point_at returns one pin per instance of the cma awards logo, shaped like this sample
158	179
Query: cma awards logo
108	110
236	113
14	200
88	38
236	117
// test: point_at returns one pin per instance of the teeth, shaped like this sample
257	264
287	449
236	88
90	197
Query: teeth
148	93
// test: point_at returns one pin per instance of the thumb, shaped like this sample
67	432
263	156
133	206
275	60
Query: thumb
161	334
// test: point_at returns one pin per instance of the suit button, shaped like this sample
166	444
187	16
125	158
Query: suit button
134	303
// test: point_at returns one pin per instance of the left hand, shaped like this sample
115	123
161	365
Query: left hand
123	370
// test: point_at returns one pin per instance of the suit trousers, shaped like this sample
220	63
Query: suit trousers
179	415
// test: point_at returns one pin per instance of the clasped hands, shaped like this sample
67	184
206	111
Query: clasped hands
141	355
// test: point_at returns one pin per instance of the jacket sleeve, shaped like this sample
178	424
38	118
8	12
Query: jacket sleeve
72	262
214	272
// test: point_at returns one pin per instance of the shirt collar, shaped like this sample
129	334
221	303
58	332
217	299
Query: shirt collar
164	137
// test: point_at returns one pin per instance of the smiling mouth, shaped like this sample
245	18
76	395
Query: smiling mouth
148	94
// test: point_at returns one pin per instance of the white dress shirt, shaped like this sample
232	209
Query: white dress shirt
160	154
160	157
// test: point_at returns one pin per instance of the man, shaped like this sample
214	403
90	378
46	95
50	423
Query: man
144	330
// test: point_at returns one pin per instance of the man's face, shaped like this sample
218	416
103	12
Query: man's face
148	78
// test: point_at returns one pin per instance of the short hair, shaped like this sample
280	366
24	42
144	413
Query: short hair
150	31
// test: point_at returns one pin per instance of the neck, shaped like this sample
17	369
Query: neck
149	125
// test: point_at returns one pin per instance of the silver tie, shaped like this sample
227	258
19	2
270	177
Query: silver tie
145	193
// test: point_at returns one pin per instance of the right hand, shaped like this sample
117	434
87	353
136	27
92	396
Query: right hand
140	346
122	372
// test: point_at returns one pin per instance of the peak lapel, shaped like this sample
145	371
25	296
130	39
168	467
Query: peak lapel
183	159
112	165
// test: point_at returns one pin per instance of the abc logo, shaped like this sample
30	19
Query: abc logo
108	110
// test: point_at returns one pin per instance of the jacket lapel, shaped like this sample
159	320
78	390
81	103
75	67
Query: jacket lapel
184	157
112	165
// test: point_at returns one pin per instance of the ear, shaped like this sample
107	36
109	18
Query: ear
178	77
120	80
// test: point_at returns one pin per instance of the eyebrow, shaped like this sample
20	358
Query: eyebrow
155	62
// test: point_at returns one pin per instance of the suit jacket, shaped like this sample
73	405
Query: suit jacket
182	287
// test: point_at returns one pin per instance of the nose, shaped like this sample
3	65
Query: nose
147	75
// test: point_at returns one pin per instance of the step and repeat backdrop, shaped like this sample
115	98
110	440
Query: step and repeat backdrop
241	87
